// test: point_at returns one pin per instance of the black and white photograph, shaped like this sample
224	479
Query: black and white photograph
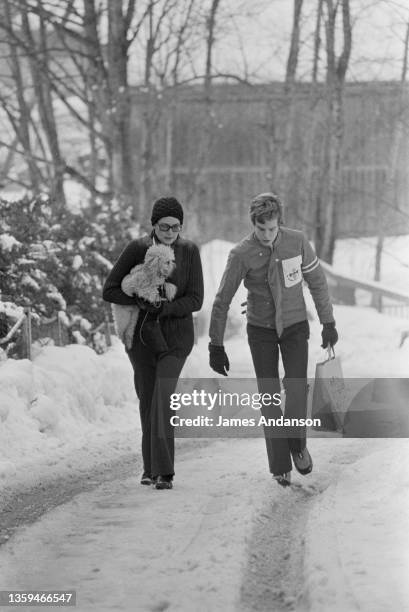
204	305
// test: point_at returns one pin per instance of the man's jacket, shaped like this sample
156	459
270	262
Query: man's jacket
273	277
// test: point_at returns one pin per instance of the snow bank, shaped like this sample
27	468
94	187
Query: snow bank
369	343
356	256
214	258
357	544
66	394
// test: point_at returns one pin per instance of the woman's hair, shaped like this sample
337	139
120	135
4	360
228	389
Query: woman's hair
264	207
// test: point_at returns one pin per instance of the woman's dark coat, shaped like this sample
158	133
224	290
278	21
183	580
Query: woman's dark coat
176	316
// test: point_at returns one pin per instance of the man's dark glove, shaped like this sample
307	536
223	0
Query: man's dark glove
149	307
329	335
218	360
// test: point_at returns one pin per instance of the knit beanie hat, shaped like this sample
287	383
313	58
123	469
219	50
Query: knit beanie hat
166	207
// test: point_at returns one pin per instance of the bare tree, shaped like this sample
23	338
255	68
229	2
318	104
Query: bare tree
386	200
38	59
286	118
99	81
329	190
96	91
308	212
204	143
21	121
77	59
118	25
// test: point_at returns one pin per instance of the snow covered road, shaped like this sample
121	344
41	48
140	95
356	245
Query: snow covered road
128	547
225	538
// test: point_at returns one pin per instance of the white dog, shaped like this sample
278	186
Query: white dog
146	280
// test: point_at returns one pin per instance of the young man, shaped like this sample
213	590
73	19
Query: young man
273	261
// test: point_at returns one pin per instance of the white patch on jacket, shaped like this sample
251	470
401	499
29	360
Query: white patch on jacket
292	271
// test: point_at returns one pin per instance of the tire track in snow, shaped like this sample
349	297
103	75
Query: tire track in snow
273	578
27	504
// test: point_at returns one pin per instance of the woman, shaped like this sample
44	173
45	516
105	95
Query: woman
156	374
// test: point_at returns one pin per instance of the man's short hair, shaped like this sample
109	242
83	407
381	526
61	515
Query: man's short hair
264	207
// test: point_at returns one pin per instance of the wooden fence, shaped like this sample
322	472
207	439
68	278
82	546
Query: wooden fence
342	289
218	183
28	330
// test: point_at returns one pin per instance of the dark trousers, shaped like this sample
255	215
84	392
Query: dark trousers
265	347
155	380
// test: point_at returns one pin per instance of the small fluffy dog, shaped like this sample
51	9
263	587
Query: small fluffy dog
146	280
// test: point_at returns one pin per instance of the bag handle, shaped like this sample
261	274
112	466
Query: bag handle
140	329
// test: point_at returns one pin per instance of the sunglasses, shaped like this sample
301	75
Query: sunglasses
165	227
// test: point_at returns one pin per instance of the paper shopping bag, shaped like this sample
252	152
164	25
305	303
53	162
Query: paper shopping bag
329	395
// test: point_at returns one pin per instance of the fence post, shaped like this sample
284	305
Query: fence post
108	338
27	327
376	301
59	329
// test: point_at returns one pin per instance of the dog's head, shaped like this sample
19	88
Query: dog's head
161	260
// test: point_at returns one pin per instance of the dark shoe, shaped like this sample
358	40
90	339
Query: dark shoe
146	479
302	461
283	479
164	482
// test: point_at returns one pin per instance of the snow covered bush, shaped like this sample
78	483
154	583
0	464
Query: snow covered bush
56	261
